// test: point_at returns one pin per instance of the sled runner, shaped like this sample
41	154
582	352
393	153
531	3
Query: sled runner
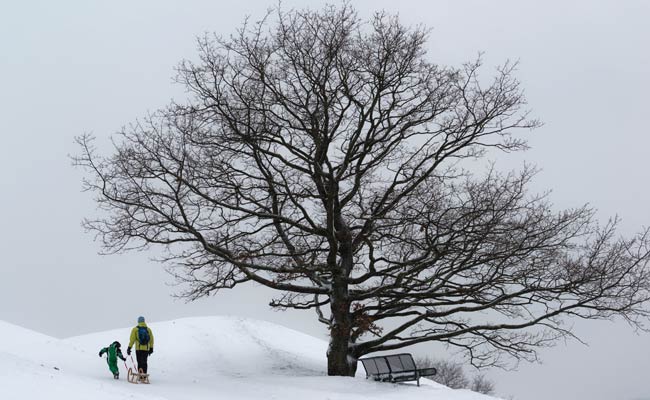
137	377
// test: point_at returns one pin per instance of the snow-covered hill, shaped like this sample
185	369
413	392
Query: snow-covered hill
194	359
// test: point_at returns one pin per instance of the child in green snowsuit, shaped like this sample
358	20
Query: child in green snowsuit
113	352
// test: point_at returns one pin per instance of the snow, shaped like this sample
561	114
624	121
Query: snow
194	359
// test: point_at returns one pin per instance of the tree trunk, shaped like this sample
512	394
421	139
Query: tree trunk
340	360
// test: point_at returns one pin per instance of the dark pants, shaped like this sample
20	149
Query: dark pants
141	356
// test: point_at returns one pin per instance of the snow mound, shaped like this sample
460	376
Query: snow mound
226	346
194	358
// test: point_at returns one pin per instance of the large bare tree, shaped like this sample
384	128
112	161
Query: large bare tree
325	157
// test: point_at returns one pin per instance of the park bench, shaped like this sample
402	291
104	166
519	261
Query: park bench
394	368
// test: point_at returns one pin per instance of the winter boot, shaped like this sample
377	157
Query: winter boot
116	376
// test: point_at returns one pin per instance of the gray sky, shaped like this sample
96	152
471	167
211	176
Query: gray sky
71	67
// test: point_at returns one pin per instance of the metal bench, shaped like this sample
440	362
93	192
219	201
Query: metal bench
394	368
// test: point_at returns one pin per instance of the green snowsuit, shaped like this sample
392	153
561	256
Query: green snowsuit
113	352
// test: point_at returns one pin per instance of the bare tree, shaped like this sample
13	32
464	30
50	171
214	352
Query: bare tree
481	384
452	375
448	373
322	156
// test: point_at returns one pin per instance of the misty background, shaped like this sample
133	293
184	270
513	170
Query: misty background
72	67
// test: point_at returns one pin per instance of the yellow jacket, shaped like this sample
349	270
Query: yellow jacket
134	338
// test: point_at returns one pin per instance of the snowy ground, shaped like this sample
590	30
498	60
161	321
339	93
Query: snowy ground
194	359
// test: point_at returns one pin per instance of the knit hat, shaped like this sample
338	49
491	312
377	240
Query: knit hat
140	319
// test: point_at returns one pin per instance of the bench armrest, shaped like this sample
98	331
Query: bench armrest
427	371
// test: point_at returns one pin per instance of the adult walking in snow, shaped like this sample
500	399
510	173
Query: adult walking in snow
142	337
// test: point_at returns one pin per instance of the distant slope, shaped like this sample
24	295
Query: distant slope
194	358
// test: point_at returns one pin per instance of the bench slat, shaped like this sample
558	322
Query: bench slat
407	361
370	366
395	364
382	365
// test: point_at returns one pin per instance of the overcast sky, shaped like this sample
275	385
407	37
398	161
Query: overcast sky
70	67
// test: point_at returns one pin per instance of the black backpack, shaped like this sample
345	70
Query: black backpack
143	335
